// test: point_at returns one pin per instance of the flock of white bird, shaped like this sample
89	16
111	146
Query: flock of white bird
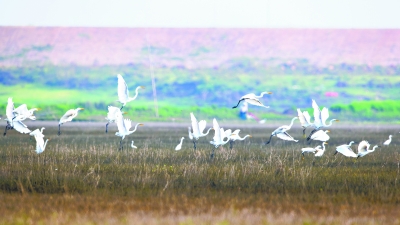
16	116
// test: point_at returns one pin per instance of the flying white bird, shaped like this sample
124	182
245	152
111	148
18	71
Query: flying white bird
346	150
124	126
318	152
320	118
37	132
22	113
179	146
133	146
305	120
111	115
219	136
387	142
253	99
235	136
363	149
281	132
319	136
123	92
198	129
10	115
67	117
40	144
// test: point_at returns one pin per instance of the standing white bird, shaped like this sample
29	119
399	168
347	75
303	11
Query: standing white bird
198	128
320	118
111	115
387	142
346	150
320	152
22	113
124	126
67	117
133	146
305	120
363	149
123	92
179	146
319	136
235	136
281	132
219	136
253	99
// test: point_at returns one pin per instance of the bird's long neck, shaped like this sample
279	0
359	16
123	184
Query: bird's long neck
136	94
208	131
241	139
373	149
224	142
130	132
41	130
44	146
323	146
330	123
262	94
291	123
181	140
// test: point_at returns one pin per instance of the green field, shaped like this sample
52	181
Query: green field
82	178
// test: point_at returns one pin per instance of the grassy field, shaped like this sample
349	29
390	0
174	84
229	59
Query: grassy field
82	178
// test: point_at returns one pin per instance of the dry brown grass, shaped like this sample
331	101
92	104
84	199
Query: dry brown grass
82	178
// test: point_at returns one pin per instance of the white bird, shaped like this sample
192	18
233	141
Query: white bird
111	115
10	115
346	150
320	118
219	136
387	142
37	132
363	149
319	136
305	120
124	126
320	152
253	99
235	136
133	146
22	113
310	150
40	144
67	117
179	146
281	132
123	92
198	129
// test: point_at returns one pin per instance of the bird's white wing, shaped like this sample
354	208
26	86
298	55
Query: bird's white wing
307	117
128	124
236	132
195	125
10	109
119	120
112	111
68	116
36	133
363	146
21	110
285	136
317	114
346	151
190	134
202	126
217	134
39	144
324	115
22	128
307	150
123	92
301	117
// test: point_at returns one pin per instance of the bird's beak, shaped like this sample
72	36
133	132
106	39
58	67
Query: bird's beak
337	120
141	124
38	109
328	131
82	108
269	93
250	136
142	87
124	113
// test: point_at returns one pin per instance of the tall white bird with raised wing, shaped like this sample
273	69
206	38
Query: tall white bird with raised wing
305	120
10	115
281	132
319	136
387	142
253	99
320	118
40	144
123	92
67	117
197	129
124	126
235	137
346	150
363	149
179	146
219	136
37	132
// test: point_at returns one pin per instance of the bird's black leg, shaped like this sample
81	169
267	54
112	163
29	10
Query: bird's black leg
121	107
231	144
312	132
107	127
335	153
270	137
5	131
194	144
304	132
59	130
237	104
212	154
120	145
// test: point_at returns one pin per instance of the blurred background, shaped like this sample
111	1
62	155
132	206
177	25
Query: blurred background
201	57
